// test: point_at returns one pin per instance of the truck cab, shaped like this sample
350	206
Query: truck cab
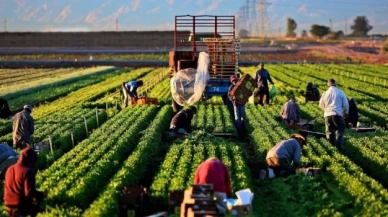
214	35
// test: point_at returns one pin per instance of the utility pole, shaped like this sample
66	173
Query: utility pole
346	26
5	24
331	26
280	31
117	24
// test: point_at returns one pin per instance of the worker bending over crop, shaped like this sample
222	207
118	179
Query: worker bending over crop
23	128
334	103
352	119
312	93
8	157
5	112
181	122
20	194
290	112
280	157
130	91
238	107
213	171
262	78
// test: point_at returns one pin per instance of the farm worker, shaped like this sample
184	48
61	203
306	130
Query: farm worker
130	91
280	156
213	171
8	157
20	194
175	106
352	119
238	107
312	93
5	113
290	112
262	78
181	122
334	103
23	128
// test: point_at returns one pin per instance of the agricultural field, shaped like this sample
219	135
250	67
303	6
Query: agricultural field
98	147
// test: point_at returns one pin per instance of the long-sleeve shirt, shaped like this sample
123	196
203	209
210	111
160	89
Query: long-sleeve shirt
213	171
132	88
262	78
289	149
231	98
334	102
290	111
19	185
23	127
182	120
6	152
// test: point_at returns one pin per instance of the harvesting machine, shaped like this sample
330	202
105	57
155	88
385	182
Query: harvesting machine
216	36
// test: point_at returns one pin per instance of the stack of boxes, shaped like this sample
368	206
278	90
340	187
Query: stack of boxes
199	200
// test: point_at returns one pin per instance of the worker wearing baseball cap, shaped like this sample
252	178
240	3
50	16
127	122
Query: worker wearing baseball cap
238	107
23	128
280	157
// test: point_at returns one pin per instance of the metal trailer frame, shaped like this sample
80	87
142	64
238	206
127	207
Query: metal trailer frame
185	53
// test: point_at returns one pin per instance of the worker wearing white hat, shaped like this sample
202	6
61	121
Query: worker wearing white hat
23	128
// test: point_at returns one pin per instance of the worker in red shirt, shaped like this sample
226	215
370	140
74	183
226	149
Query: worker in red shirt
20	194
213	171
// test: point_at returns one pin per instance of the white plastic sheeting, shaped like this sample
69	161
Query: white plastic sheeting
187	85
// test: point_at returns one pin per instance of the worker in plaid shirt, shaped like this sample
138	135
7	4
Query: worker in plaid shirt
290	112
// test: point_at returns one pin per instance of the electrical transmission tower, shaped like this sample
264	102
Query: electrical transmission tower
247	18
263	18
254	24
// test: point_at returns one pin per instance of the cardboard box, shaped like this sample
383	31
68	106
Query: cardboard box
244	88
240	210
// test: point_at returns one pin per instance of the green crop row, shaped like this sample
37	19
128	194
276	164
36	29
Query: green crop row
53	92
88	93
132	168
355	186
213	119
84	178
177	173
59	126
13	91
114	98
162	91
11	77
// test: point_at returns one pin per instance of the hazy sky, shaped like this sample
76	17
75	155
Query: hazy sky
96	15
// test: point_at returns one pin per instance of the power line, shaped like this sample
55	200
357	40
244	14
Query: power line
323	8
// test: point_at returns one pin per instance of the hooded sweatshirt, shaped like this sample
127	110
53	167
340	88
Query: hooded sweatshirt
213	171
19	185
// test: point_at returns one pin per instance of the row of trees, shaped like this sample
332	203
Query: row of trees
360	28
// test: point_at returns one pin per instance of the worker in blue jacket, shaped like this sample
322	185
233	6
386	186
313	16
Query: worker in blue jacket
130	91
262	78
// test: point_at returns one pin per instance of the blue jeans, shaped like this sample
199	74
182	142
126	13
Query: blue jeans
239	115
